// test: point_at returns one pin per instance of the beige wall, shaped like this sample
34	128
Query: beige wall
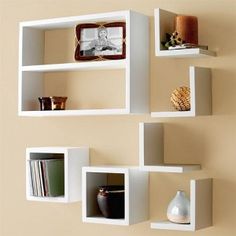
114	139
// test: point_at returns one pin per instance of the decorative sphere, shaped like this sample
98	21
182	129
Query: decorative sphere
180	98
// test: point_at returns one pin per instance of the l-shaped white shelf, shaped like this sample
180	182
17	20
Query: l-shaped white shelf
32	67
200	208
200	95
151	151
136	194
82	66
164	23
74	159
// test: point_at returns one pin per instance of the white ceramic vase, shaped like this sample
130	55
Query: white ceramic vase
178	210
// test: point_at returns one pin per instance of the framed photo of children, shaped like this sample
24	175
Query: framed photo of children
100	41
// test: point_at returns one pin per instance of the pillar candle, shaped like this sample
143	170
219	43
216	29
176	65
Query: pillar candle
187	27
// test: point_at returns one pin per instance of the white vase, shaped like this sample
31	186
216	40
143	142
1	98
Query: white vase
178	210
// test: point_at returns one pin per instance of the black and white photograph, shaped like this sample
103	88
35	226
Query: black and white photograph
100	41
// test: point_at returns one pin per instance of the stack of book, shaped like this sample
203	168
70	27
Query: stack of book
46	177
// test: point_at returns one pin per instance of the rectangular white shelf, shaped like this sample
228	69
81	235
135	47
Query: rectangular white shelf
74	159
200	95
164	23
82	66
151	151
200	208
32	67
136	194
82	112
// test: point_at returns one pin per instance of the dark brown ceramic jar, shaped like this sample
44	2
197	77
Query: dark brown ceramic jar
111	199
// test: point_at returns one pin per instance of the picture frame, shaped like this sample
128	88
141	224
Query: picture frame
100	41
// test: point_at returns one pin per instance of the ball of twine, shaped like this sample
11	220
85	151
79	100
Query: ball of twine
180	98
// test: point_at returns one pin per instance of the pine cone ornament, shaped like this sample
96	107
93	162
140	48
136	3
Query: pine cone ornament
180	98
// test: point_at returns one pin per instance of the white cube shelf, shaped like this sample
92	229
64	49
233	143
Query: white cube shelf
151	151
74	159
32	67
200	208
164	23
200	95
136	194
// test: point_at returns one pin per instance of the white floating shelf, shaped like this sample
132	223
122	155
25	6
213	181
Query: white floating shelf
74	159
151	151
136	194
164	23
200	208
32	67
80	66
200	95
82	112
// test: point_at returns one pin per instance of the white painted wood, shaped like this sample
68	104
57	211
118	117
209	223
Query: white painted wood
74	159
164	23
31	87
172	168
136	64
72	21
167	225
203	90
200	208
151	144
82	112
138	59
31	46
136	194
201	195
183	53
200	97
151	151
81	66
172	114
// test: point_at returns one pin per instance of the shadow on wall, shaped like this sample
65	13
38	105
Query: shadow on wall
212	33
223	92
184	144
223	211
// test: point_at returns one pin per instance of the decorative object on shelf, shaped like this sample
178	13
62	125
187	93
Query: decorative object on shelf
178	210
100	41
110	200
180	98
52	103
187	28
172	40
45	103
58	103
185	34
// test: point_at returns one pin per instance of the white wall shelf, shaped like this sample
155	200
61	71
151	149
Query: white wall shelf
74	159
151	151
200	208
164	23
32	67
82	66
136	194
200	95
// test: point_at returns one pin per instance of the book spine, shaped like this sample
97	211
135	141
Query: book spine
35	192
45	181
30	178
36	166
41	178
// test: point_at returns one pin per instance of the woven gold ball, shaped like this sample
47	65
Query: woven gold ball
180	98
